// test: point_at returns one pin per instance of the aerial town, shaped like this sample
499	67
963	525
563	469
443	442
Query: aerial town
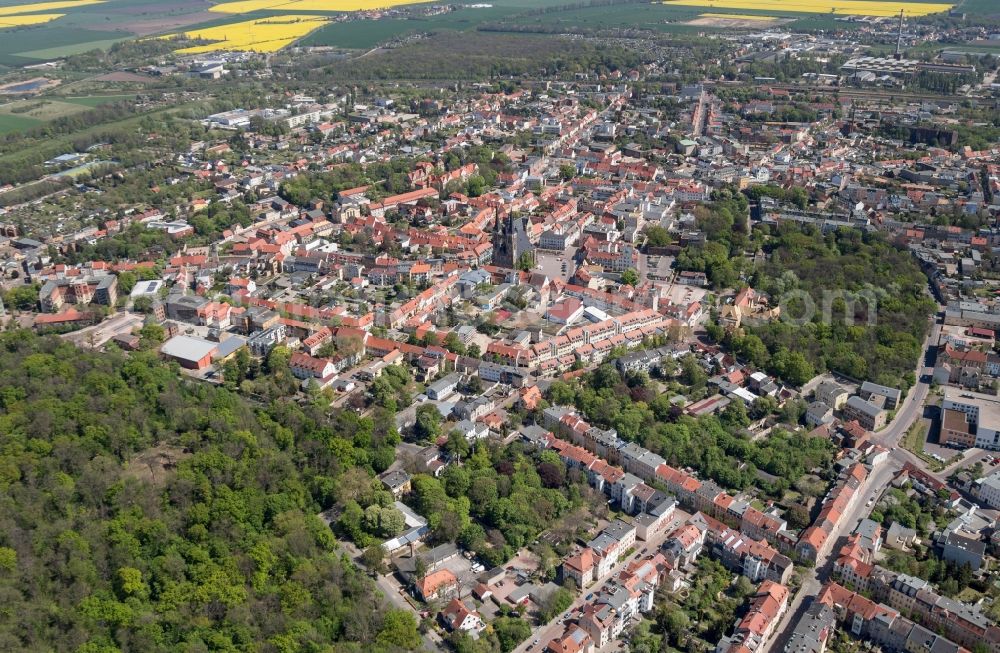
651	342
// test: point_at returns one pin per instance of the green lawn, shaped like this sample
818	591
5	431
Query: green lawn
13	123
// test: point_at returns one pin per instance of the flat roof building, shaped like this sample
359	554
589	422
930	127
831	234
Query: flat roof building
190	352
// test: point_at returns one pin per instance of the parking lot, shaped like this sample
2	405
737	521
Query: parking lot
556	265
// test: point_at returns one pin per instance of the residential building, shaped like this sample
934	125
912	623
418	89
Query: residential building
832	394
890	395
457	616
437	585
753	630
963	549
56	293
813	630
868	415
987	489
573	640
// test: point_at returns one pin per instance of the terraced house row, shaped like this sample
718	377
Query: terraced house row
964	624
705	496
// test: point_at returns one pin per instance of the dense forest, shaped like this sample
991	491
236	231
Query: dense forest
141	512
884	348
484	55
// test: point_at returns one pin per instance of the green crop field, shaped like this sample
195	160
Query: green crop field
12	123
14	42
75	48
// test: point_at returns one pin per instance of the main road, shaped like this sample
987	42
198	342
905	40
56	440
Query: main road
911	409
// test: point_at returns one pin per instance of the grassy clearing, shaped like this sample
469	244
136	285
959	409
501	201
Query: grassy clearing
91	101
914	440
41	109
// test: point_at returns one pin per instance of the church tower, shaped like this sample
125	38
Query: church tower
510	240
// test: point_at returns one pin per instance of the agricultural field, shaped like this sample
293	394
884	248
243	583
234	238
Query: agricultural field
36	7
839	7
12	123
29	19
365	34
260	35
248	6
41	31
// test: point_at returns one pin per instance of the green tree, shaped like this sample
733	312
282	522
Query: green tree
8	558
511	631
630	277
126	281
453	344
428	422
399	628
143	304
657	236
692	373
457	445
22	298
373	557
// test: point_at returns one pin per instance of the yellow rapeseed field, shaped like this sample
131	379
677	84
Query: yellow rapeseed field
30	19
261	35
46	6
246	6
839	7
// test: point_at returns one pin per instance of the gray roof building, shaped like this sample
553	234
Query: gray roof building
813	630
